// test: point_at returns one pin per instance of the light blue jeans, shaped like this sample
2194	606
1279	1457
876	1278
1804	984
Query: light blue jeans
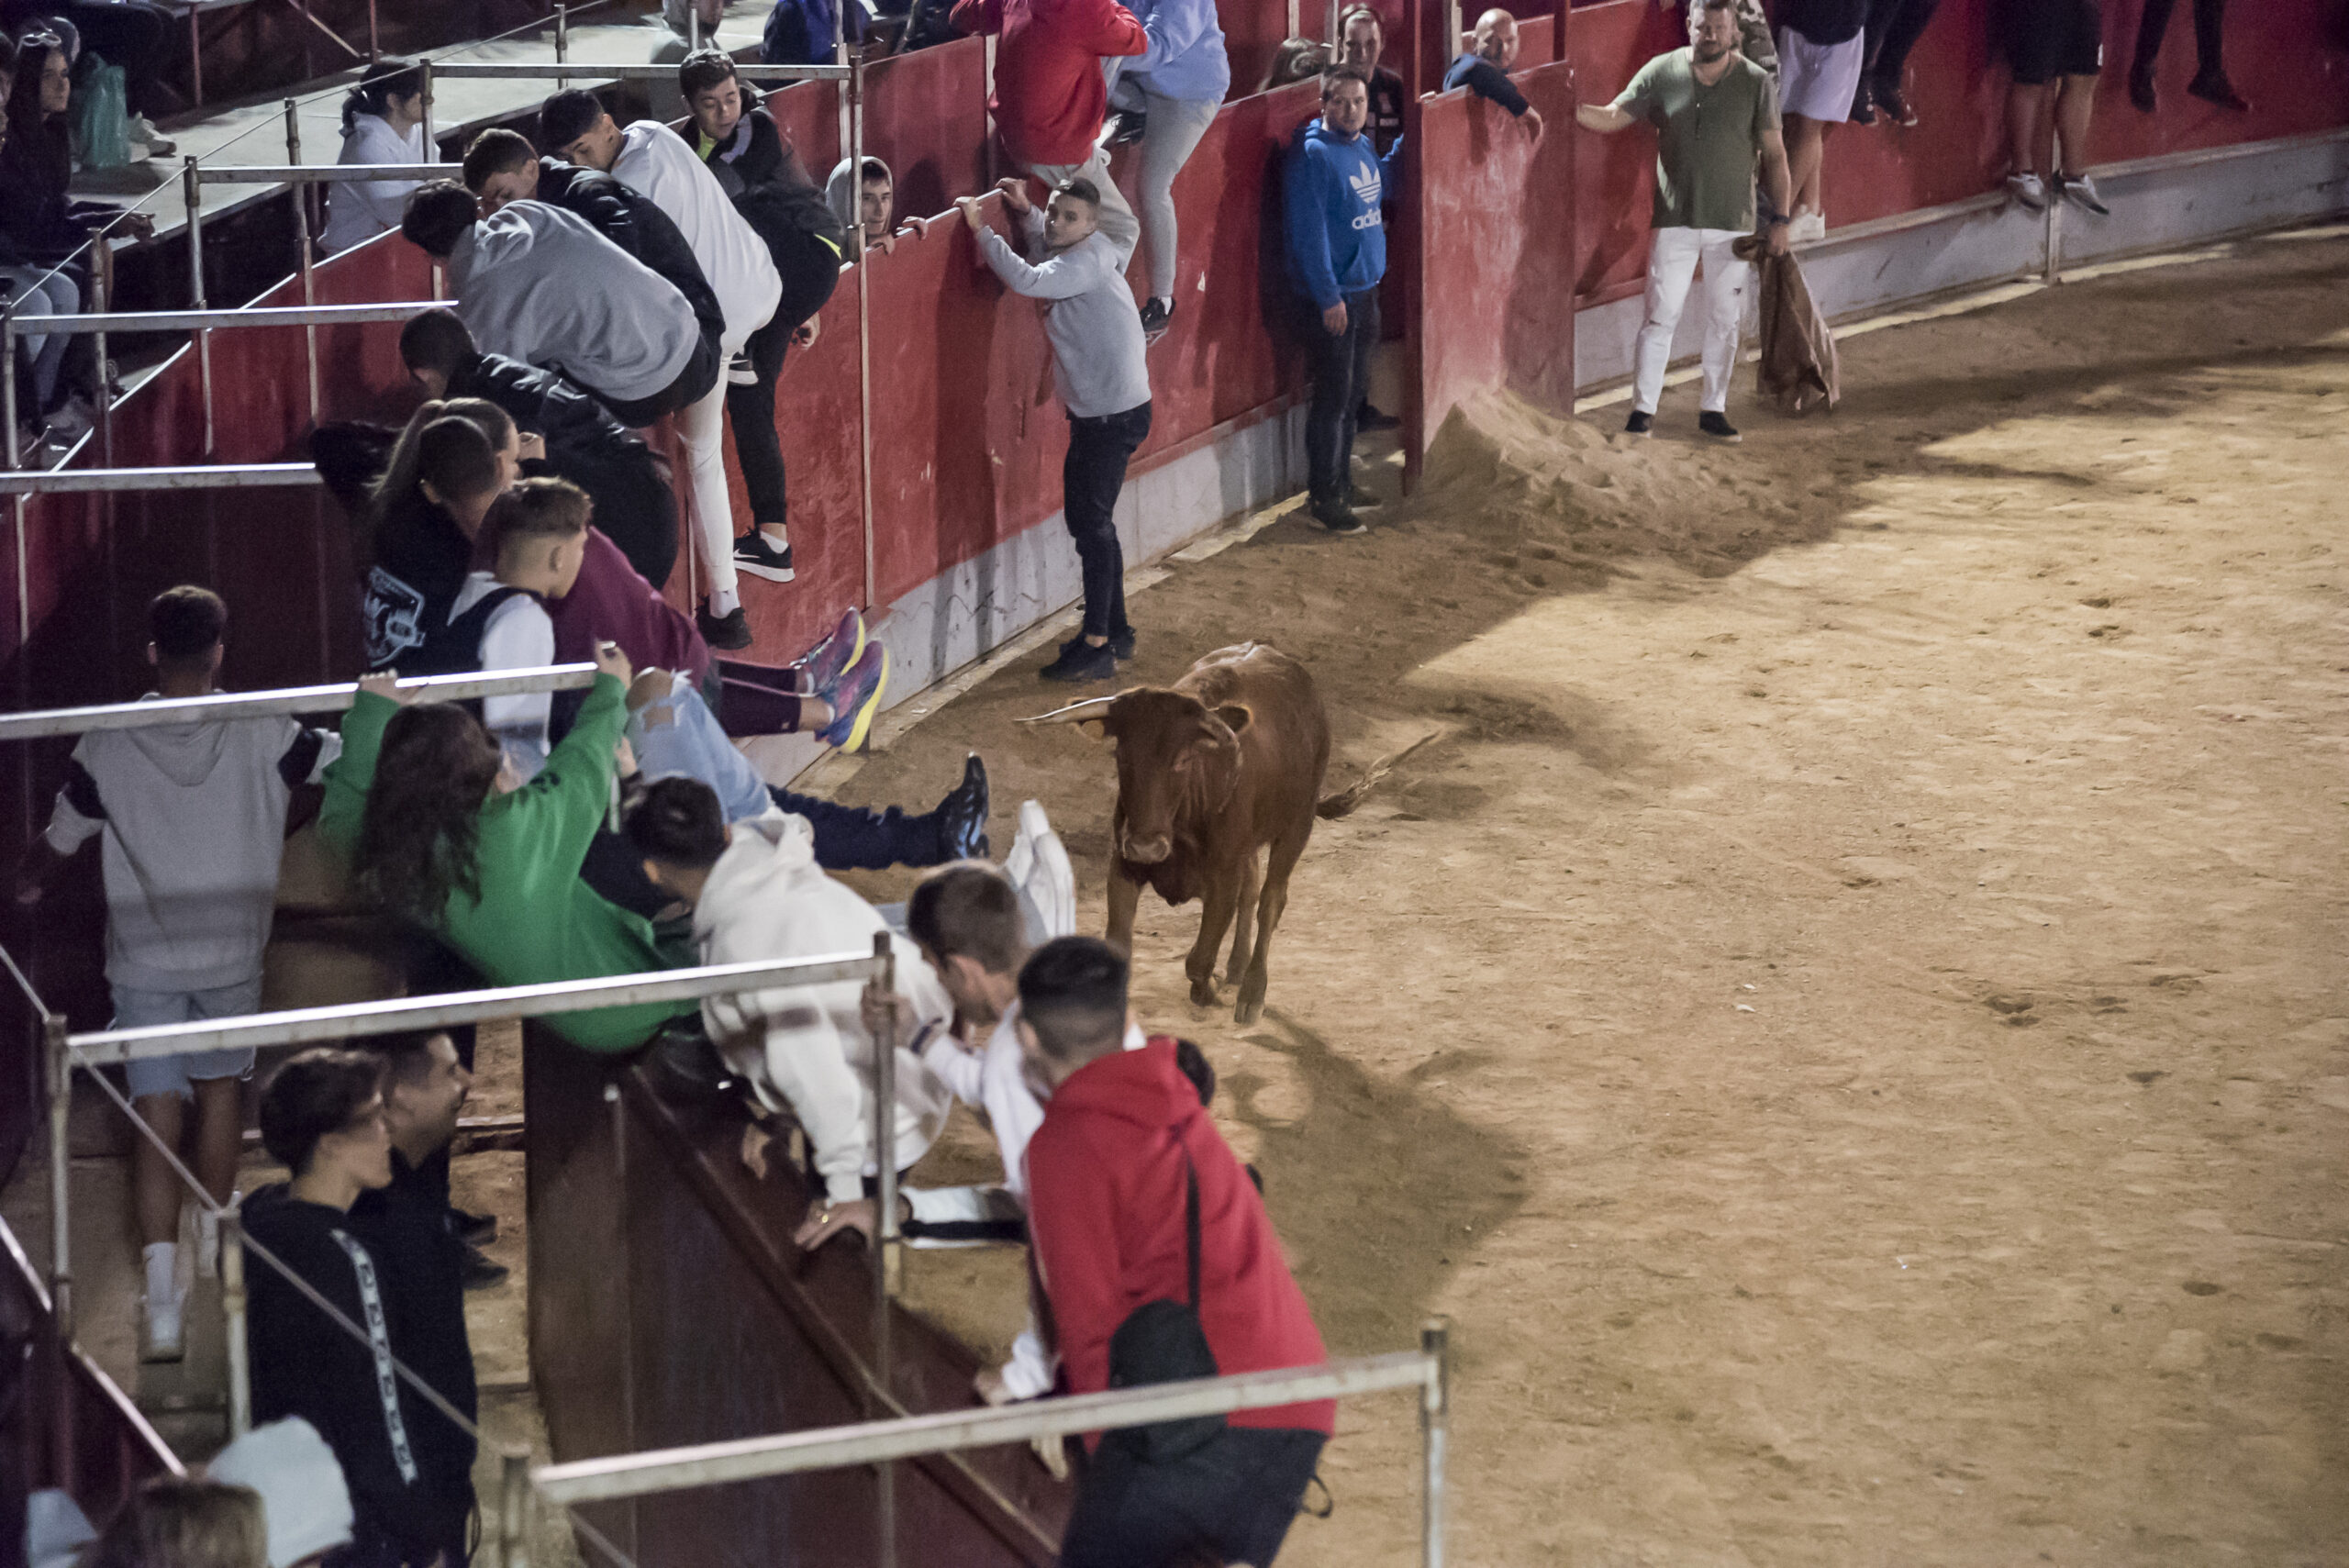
179	1074
678	734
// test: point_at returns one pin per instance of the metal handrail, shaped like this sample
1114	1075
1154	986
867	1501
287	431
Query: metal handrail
225	476
207	320
537	69
52	721
322	173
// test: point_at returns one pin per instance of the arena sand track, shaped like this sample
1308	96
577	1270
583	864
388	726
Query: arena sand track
1850	1018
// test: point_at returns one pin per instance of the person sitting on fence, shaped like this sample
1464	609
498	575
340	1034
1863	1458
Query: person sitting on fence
407	1464
2055	49
1125	1169
632	340
1049	95
1100	371
581	442
649	158
1483	69
757	894
867	207
761	173
382	122
1823	53
1167	98
304	1498
193	818
179	1521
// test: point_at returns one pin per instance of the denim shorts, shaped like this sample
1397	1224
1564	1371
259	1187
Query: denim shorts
179	1074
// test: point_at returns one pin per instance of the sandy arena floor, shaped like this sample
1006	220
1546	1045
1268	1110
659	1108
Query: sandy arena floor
1850	1018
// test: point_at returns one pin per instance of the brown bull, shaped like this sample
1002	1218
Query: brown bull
1226	763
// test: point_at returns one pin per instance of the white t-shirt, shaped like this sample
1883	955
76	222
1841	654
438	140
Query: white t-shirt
655	162
361	209
519	636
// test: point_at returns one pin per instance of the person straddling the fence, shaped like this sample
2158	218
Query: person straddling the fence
305	1500
408	1466
1894	26
1482	68
1336	240
632	340
761	173
1823	50
1049	94
445	471
1104	380
192	819
382	122
649	158
1175	88
757	895
634	505
2210	84
1136	1209
2057	51
1715	114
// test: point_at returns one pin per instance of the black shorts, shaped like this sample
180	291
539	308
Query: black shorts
2046	39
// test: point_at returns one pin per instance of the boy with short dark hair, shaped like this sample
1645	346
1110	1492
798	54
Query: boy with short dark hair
192	821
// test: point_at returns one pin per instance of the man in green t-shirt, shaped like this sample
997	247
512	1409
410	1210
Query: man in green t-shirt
1715	113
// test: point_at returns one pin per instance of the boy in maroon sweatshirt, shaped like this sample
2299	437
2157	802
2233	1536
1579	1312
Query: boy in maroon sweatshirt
1106	1226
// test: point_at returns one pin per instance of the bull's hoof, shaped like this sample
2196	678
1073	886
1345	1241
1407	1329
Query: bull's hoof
1247	1012
1203	992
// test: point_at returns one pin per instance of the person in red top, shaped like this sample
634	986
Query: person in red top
1049	94
1106	1196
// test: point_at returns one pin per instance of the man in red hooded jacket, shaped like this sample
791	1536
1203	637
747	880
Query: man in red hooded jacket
1107	1195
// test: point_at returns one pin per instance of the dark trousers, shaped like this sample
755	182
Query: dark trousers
1091	476
1893	32
1231	1500
1340	363
853	838
635	505
810	270
2209	22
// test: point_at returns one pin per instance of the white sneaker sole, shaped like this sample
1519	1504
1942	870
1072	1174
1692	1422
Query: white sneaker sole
761	569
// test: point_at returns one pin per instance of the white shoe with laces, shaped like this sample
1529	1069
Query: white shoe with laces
2027	192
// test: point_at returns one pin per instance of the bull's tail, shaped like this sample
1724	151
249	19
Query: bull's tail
1353	794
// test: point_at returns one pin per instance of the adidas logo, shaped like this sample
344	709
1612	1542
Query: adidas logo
1366	185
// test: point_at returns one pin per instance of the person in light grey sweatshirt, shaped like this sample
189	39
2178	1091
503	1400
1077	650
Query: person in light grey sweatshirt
1103	381
538	284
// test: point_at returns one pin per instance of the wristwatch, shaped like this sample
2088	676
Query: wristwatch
1778	220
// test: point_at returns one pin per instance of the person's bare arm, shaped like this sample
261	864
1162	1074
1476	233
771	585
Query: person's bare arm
1780	187
1604	118
1531	121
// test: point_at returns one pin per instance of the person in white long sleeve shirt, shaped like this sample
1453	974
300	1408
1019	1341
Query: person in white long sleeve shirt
655	162
382	122
1104	382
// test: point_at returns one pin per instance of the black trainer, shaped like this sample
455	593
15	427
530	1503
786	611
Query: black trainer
1157	315
481	1272
756	554
1718	427
963	815
474	1229
1125	126
1121	644
1360	500
1640	424
1337	517
1081	663
731	632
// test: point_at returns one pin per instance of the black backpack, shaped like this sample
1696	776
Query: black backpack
1163	1341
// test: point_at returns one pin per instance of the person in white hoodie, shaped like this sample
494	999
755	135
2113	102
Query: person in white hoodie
653	160
757	894
382	122
193	818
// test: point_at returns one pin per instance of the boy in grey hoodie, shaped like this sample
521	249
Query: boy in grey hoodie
193	822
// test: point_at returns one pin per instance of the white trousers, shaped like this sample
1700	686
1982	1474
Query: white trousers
702	427
1672	266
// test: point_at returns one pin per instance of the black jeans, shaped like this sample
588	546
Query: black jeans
1893	30
1340	376
810	270
855	838
2210	25
1091	476
1233	1498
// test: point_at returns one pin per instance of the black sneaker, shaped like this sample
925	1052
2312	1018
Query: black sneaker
1718	427
1640	424
684	1061
1360	500
1083	662
1369	419
1121	644
1337	517
962	816
731	632
739	372
474	1229
1893	103
1125	126
1863	104
757	555
1157	315
481	1273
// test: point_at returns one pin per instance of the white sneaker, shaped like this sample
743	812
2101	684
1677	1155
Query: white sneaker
1038	868
2027	192
163	1336
1807	227
157	145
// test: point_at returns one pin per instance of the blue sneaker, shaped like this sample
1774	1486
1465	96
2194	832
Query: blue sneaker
858	698
829	659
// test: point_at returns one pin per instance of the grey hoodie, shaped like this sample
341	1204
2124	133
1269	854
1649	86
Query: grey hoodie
194	822
842	191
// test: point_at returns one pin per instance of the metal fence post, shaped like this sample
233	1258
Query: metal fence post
232	1313
9	382
561	42
887	1260
863	326
431	147
510	1540
194	192
1435	1408
100	296
61	1220
303	258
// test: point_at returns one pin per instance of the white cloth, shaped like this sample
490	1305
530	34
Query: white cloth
702	427
805	1046
1671	264
539	285
363	209
303	1494
518	635
1818	81
655	162
1099	361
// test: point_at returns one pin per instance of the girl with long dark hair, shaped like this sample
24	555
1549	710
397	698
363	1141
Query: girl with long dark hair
382	122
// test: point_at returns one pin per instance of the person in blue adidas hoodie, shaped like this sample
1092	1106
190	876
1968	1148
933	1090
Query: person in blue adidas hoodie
1337	253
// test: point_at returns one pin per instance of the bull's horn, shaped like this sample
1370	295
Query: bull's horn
1075	712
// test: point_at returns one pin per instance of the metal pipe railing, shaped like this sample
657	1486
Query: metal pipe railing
204	321
322	173
224	476
543	70
47	722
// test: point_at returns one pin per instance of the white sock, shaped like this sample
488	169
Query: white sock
724	601
162	1270
776	535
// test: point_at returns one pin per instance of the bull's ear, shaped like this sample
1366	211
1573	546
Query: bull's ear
1238	717
1095	729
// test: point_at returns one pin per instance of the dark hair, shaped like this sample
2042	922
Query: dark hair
385	80
970	908
455	456
1294	60
1338	76
175	1521
187	622
27	120
704	68
495	152
419	836
679	822
406	1058
1079	189
535	508
314	1093
436	340
1072	994
437	213
873	169
493	422
567	116
1356	13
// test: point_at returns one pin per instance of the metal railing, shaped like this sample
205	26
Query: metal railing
335	698
224	476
